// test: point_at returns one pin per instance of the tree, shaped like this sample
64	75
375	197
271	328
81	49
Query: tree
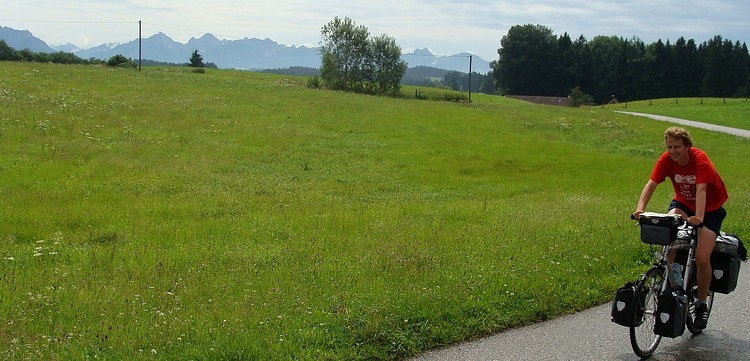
196	60
345	50
687	70
352	61
527	63
607	55
566	55
386	66
579	98
8	53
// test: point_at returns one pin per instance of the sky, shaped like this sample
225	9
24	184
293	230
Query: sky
446	27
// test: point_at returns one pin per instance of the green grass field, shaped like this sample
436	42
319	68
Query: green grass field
168	215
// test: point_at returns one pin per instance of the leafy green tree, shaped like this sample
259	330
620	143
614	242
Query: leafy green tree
660	70
26	55
687	68
566	55
352	61
527	64
607	58
715	66
637	78
345	50
8	53
386	66
196	60
579	98
740	73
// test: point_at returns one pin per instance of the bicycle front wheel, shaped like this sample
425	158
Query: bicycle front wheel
642	337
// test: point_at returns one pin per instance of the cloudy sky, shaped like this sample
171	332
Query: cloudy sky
444	26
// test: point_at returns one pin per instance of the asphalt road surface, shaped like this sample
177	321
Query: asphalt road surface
590	335
714	127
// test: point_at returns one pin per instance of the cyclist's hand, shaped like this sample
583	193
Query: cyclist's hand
694	221
636	215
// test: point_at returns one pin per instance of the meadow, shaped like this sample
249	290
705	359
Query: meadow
169	215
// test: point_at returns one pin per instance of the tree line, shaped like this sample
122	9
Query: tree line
7	53
533	61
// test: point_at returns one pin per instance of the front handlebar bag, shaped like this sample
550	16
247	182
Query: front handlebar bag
658	228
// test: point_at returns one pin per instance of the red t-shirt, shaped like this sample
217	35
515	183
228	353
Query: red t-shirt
698	170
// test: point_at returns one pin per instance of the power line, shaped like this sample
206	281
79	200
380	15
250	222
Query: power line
171	27
113	22
70	22
444	56
193	31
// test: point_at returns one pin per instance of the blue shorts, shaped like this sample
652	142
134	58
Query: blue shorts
712	220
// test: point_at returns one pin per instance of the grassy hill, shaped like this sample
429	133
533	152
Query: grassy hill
165	214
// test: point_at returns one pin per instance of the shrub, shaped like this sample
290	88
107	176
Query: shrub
313	82
121	61
579	98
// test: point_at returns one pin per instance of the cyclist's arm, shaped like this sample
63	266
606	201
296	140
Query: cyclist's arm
646	193
700	204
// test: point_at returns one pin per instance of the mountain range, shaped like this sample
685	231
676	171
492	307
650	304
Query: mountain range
243	54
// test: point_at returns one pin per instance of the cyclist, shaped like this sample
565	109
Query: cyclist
699	198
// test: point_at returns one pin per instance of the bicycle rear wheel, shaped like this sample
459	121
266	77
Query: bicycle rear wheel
642	337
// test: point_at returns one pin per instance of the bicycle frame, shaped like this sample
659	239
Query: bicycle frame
663	259
659	279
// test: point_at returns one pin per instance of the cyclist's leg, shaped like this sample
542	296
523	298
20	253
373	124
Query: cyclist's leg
706	242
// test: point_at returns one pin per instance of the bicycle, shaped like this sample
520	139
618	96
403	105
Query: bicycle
680	237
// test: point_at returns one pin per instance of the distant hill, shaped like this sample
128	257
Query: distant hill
23	39
245	54
456	62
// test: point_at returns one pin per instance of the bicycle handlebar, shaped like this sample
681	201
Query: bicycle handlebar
682	221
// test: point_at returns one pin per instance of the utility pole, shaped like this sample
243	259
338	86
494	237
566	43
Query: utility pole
140	57
470	57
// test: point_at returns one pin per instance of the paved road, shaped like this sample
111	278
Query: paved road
714	127
590	335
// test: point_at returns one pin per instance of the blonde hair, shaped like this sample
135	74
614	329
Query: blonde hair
679	133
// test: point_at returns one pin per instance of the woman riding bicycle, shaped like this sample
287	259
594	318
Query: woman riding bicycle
699	198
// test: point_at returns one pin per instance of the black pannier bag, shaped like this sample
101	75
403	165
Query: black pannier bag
726	270
727	244
725	261
622	304
670	314
658	228
732	244
741	250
